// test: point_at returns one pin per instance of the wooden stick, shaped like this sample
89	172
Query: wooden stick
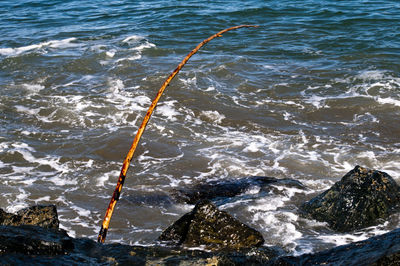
115	197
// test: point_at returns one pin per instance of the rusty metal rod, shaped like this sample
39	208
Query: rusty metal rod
115	197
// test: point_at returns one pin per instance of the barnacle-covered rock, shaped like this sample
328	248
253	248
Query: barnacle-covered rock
360	199
40	215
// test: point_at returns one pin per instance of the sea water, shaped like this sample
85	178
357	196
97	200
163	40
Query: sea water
312	92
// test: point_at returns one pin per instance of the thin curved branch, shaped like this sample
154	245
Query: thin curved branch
115	197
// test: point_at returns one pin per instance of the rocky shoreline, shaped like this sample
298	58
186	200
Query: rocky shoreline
208	236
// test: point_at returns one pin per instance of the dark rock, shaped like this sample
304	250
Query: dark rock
207	226
44	216
34	240
378	250
54	247
229	188
34	245
360	199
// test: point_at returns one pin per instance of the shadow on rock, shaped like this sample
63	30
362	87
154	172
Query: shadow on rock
360	199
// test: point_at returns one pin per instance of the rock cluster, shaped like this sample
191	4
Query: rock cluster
360	199
60	249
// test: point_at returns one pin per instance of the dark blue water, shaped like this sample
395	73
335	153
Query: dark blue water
312	92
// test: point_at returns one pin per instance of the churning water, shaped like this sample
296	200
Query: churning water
312	92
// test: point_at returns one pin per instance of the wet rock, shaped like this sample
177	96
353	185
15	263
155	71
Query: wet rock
88	252
379	250
360	199
34	245
211	228
40	215
229	188
41	246
34	240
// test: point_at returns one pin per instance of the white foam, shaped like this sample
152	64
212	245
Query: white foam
134	38
81	211
105	177
60	181
365	117
26	110
35	88
53	162
69	229
143	46
267	204
279	226
111	53
44	198
116	86
21	145
4	146
52	44
189	81
213	116
268	67
388	101
20	201
167	110
371	75
252	147
317	101
131	58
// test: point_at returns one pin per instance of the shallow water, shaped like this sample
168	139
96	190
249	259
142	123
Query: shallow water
312	92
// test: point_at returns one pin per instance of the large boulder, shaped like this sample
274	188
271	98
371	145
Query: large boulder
360	199
211	228
39	215
229	188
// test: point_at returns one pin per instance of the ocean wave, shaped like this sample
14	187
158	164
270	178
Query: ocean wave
65	43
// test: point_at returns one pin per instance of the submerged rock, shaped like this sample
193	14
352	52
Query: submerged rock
211	228
229	188
41	215
360	199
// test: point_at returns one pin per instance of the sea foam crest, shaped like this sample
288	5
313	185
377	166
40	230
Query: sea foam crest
213	116
52	44
133	38
138	43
